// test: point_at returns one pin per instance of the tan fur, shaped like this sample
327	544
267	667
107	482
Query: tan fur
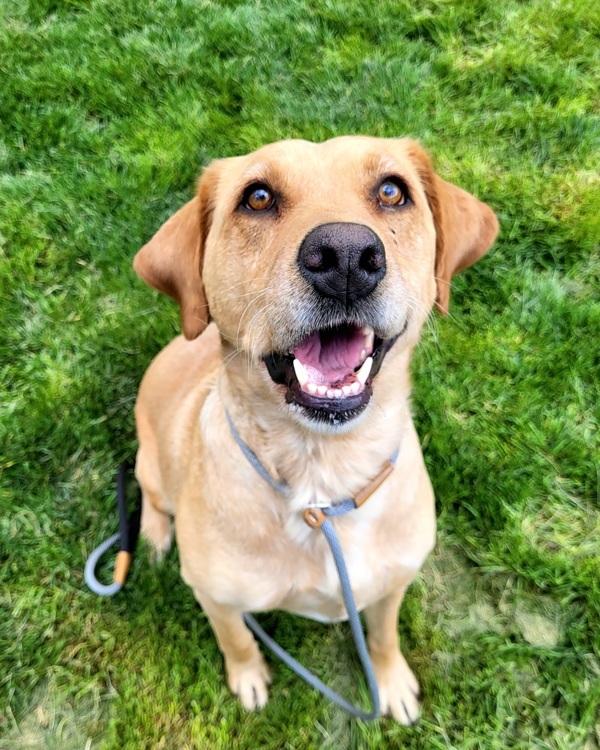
243	546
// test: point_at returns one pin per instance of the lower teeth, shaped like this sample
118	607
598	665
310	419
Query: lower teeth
344	392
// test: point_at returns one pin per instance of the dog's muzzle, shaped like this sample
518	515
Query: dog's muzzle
328	373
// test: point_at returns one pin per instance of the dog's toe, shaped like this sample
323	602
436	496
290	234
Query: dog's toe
398	690
249	682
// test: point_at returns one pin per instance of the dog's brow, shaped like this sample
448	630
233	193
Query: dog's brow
259	172
384	165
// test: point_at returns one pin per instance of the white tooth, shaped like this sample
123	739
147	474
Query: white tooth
322	390
364	371
363	353
301	373
311	388
330	393
369	339
367	331
337	393
346	390
355	387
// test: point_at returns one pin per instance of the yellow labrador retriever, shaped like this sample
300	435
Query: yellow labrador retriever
318	265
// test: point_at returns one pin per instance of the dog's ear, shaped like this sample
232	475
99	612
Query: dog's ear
465	227
172	261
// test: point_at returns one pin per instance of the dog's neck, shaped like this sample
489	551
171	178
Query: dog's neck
320	466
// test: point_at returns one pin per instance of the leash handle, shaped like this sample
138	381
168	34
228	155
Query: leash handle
89	573
127	536
129	526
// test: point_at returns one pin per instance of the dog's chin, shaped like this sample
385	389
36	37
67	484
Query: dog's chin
327	415
327	377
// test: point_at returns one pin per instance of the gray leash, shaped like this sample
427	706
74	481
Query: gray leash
319	517
89	572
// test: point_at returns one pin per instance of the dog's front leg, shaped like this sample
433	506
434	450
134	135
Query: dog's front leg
247	672
398	687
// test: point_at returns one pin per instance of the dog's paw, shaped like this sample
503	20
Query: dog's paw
249	682
398	690
157	529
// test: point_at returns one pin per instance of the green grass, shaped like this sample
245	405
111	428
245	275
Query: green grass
107	112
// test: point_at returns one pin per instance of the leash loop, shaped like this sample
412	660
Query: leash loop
254	460
89	573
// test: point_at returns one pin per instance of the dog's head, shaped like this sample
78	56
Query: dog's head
315	259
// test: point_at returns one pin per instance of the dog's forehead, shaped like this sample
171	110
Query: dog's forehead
343	156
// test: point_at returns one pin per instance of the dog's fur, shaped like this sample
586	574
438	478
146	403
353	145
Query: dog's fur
243	546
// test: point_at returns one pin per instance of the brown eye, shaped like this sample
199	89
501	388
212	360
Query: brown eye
258	198
390	194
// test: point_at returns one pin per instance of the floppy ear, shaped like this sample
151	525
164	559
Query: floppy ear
172	261
465	227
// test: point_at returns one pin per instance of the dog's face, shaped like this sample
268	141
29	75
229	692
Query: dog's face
315	259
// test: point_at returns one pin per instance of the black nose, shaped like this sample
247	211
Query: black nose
342	260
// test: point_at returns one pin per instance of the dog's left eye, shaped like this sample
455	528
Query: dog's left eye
391	194
258	198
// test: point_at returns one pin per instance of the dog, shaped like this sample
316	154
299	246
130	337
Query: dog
304	273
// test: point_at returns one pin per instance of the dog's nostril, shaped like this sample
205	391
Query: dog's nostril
372	259
329	258
321	259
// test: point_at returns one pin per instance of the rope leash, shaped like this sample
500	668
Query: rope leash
358	637
319	517
316	517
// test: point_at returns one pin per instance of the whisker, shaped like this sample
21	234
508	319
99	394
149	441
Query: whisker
255	335
239	283
444	281
248	306
237	296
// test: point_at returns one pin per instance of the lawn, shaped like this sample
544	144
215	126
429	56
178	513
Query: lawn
108	110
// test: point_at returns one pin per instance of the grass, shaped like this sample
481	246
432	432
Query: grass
107	112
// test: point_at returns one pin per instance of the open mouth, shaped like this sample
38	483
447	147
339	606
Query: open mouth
330	372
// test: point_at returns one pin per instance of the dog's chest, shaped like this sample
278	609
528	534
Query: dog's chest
375	564
323	599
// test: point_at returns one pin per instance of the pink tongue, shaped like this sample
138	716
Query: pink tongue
331	354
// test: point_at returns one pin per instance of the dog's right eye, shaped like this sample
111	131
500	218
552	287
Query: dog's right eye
390	193
258	198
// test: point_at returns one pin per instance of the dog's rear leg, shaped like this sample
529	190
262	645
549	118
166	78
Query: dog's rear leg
398	687
156	525
247	672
